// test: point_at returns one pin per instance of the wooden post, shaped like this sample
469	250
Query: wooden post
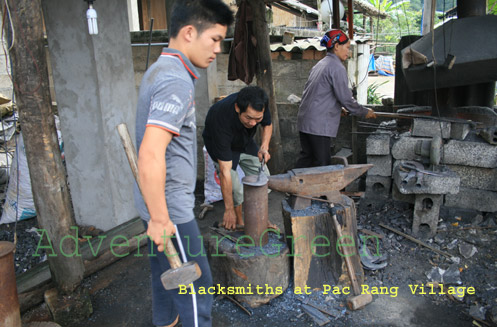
48	179
264	75
336	14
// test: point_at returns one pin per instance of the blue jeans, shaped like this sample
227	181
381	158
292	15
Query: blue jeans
193	309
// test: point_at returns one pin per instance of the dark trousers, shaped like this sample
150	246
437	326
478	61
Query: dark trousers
316	151
193	309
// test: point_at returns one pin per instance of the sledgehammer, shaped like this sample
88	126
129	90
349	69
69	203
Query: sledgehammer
358	301
180	273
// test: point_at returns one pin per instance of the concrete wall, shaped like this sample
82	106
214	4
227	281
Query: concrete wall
94	90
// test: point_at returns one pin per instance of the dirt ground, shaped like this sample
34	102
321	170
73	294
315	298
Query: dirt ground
120	293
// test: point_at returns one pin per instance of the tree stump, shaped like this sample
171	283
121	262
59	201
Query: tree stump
251	274
312	242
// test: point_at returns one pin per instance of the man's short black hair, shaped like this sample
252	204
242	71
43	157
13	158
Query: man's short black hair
254	96
200	13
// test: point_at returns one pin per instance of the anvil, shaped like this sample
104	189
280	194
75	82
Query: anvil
315	182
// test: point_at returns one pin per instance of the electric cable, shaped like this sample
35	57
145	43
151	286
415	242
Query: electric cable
435	89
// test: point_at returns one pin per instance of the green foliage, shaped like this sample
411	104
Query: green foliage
373	96
382	5
492	7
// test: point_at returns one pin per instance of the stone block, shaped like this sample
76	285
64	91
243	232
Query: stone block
446	181
397	196
382	165
378	145
378	187
470	198
430	128
459	131
474	154
403	148
476	177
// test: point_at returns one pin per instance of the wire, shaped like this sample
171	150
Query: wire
34	61
435	89
10	23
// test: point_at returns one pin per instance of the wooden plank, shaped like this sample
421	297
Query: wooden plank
157	11
32	284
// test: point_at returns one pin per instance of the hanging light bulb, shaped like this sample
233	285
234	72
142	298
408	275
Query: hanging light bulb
91	15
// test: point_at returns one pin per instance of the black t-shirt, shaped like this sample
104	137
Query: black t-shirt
224	135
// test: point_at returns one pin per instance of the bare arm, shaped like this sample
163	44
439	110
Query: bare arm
229	218
267	131
152	172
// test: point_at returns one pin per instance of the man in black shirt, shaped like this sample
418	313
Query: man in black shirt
230	126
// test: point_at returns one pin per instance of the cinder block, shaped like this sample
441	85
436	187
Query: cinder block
430	128
459	131
426	211
470	198
446	181
403	148
476	177
378	187
382	165
473	154
378	145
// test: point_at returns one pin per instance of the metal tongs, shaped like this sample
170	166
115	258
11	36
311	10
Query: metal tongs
257	180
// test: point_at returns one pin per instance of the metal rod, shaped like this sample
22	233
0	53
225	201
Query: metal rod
412	116
448	255
149	40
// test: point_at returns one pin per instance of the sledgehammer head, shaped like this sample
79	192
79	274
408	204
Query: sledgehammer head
183	275
359	301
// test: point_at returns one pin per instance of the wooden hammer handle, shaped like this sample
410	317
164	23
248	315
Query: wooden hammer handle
353	278
122	129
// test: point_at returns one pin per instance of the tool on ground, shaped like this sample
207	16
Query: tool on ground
205	207
316	182
409	237
370	261
224	234
358	301
180	273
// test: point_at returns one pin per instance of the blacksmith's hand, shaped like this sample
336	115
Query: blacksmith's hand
229	219
371	114
160	231
263	154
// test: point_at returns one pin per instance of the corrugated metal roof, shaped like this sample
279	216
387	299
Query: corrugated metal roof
304	44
